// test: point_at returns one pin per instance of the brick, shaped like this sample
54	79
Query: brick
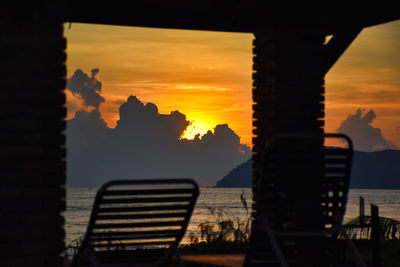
55	152
55	126
26	248
54	205
11	206
22	179
36	248
8	260
22	98
21	54
33	67
55	260
25	152
45	193
32	192
48	227
43	166
38	37
56	179
34	82
10	193
32	226
30	206
55	233
58	97
55	111
31	29
22	124
41	138
17	234
9	165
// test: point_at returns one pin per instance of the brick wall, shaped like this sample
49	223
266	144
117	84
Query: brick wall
32	143
288	98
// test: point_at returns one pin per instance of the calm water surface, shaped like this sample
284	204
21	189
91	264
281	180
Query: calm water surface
80	201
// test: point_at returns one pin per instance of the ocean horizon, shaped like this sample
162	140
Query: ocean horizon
80	202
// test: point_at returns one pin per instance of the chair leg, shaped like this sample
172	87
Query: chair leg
93	260
179	259
275	245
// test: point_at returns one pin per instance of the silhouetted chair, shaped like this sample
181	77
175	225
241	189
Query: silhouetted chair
299	201
137	222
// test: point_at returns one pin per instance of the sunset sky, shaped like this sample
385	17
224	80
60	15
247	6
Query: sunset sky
207	75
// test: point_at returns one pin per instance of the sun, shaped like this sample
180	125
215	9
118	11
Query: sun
196	127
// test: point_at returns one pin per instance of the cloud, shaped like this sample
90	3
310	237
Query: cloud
138	119
147	144
365	137
88	88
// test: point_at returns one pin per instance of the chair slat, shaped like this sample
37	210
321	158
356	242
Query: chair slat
132	236
141	224
123	244
145	200
336	176
342	160
335	170
167	191
141	216
175	206
136	232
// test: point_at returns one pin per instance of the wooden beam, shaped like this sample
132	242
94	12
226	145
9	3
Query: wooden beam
336	47
232	15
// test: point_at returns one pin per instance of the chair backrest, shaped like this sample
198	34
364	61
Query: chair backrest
337	170
337	162
145	215
300	194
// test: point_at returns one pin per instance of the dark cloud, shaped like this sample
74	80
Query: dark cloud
147	144
88	88
365	137
138	119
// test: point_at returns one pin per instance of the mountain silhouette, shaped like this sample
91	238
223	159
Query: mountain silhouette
370	170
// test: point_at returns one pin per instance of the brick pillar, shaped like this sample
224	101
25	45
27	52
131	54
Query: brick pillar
32	143
288	98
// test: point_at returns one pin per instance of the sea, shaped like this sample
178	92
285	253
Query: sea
225	202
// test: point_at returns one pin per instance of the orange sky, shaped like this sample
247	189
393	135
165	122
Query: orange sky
207	75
